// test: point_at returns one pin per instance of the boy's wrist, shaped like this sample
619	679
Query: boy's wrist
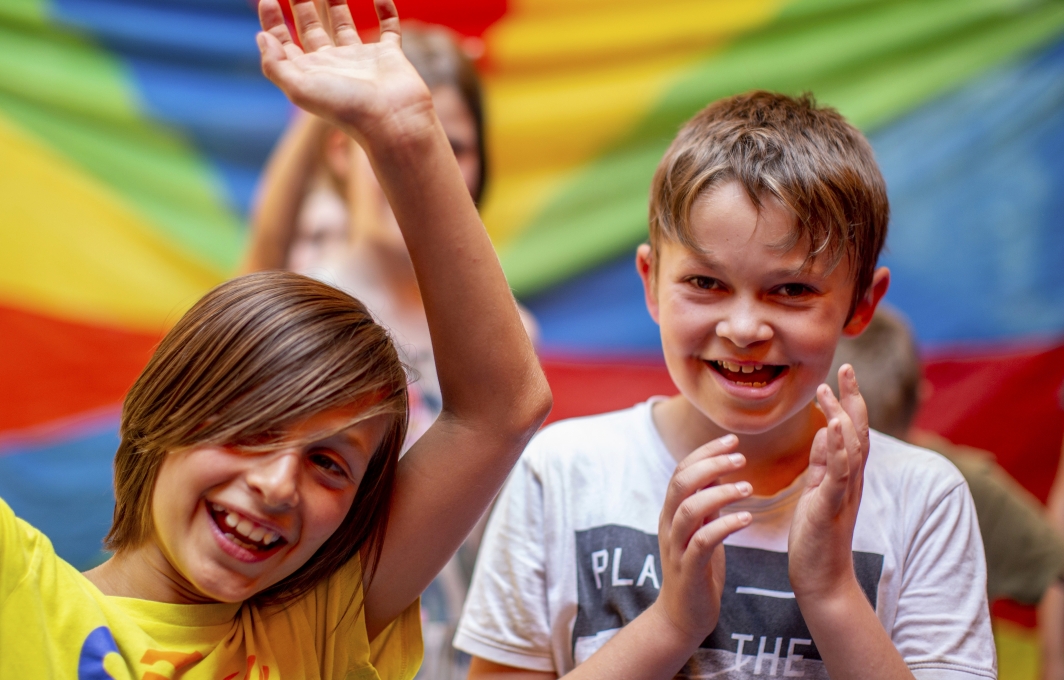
687	640
833	600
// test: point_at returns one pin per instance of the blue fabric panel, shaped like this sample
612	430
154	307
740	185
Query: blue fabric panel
600	313
195	65
64	488
233	117
219	33
976	183
976	244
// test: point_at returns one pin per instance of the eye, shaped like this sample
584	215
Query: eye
705	283
325	461
794	290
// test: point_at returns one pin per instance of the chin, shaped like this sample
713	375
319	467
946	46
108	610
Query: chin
743	419
738	422
226	586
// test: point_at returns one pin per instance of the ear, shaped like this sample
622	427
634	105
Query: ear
644	265
866	307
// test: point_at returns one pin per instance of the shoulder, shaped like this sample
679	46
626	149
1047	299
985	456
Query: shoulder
589	439
911	475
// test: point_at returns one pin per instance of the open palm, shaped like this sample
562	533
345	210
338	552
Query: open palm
821	536
354	85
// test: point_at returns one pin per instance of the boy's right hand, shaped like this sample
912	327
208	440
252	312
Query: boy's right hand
369	90
690	535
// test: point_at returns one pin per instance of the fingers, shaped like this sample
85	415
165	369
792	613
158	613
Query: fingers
389	20
272	20
702	508
313	34
852	401
276	64
700	469
855	441
702	544
344	31
839	464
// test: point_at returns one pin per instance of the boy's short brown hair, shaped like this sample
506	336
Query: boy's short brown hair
255	355
807	157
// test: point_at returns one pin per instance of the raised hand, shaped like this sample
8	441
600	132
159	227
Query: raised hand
690	536
821	537
369	90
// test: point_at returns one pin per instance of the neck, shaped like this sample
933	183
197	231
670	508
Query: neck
143	573
774	458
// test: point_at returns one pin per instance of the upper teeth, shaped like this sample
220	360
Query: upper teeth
740	368
245	528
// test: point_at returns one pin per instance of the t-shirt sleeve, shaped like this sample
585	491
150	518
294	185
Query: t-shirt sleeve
942	627
397	652
17	540
506	619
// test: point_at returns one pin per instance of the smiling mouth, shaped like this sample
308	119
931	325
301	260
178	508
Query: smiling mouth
243	532
748	375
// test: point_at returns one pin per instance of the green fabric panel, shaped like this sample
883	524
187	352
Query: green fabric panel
32	12
873	60
77	98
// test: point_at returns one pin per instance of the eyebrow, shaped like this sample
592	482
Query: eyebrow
804	269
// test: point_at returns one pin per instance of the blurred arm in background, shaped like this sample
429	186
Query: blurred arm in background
1051	609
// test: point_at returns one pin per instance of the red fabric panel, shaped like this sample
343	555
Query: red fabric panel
52	369
583	387
467	17
1006	402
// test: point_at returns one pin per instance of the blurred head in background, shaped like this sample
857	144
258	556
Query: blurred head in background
887	365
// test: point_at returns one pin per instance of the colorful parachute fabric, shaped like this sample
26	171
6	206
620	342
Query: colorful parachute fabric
132	133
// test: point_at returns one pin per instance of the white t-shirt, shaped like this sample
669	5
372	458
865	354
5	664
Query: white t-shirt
571	555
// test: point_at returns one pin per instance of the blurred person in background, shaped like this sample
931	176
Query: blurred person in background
321	212
1024	552
1051	608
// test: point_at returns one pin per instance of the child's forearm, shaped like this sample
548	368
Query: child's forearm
280	193
849	636
648	648
485	361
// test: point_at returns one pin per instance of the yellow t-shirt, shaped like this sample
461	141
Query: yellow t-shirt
54	623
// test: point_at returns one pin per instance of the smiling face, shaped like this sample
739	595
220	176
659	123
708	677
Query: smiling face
229	523
748	326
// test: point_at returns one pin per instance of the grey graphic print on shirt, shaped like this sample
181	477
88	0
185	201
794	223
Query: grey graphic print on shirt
760	632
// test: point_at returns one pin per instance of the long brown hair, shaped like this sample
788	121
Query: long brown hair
254	355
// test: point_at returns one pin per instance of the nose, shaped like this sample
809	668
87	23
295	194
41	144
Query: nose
744	324
275	477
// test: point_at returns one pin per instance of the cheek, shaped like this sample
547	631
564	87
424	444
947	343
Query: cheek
684	325
325	511
813	344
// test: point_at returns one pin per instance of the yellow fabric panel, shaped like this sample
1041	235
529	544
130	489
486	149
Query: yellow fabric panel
1018	651
70	248
568	80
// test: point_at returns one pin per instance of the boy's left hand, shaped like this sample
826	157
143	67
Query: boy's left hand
821	537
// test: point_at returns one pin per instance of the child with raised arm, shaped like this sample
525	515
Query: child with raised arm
751	525
264	524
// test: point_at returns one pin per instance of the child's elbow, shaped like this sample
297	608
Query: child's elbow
531	407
